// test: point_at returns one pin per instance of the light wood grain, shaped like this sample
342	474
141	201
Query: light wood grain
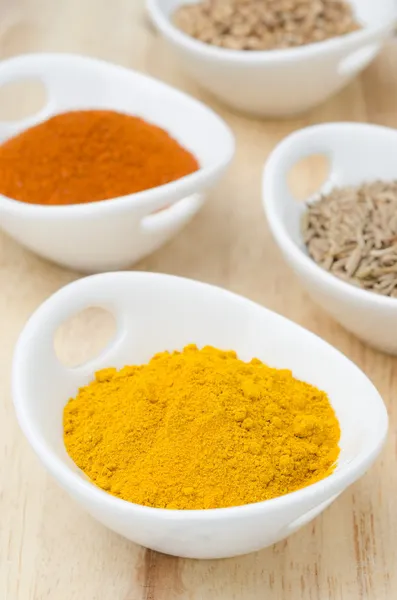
49	548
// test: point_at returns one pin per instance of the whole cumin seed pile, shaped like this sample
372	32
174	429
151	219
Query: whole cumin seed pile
265	24
352	232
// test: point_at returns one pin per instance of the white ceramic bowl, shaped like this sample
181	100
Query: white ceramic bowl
115	233
278	82
356	153
157	312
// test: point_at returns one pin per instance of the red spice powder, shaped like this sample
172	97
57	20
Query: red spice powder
88	156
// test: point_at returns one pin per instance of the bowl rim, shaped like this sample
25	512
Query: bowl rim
317	492
165	25
178	189
281	234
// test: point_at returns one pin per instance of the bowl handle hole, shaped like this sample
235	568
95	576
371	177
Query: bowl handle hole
309	516
308	176
84	336
22	104
21	99
358	60
172	216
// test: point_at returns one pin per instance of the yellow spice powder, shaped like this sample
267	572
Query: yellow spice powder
201	429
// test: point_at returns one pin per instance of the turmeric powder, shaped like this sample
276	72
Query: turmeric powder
201	429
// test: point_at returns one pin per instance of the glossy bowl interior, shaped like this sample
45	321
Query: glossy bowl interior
278	82
157	312
356	153
113	234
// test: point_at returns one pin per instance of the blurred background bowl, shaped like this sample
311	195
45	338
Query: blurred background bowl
279	82
356	153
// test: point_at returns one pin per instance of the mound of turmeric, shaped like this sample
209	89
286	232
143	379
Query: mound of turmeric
201	429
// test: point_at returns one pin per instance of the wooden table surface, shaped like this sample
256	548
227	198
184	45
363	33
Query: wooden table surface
49	548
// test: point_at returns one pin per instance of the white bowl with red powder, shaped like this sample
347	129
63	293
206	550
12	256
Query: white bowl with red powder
159	312
113	234
278	82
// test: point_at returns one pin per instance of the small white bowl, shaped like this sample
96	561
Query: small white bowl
356	153
158	312
278	82
115	233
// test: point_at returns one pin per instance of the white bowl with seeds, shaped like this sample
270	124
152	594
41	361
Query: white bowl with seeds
270	64
342	243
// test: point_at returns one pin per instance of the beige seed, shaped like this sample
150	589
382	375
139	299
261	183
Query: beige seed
353	261
265	24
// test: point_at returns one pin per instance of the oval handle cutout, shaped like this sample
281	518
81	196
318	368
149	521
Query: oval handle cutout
172	216
22	99
357	60
308	176
84	337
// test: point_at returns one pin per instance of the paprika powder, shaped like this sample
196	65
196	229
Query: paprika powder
90	155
